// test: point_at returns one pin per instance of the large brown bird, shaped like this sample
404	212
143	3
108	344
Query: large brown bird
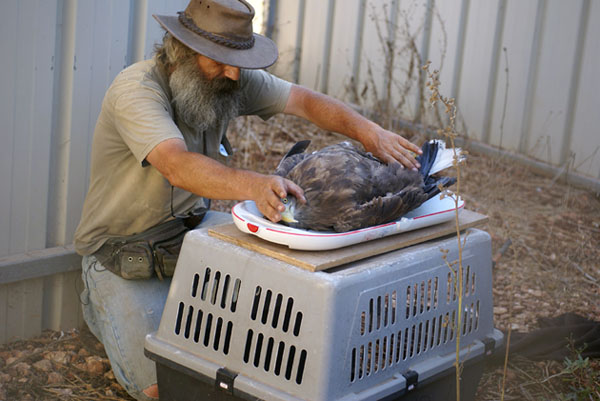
348	189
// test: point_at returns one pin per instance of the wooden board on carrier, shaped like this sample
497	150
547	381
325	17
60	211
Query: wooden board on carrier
321	260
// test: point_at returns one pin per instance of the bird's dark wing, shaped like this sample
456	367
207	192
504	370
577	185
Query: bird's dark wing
291	158
381	209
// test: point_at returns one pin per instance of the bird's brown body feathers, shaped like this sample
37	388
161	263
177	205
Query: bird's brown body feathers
347	189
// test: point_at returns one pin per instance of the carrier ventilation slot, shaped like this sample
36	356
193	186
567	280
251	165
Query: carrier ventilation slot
275	311
271	356
382	310
468	285
381	313
218	289
407	343
203	328
422	297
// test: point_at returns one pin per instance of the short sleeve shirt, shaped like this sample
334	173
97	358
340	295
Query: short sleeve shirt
127	195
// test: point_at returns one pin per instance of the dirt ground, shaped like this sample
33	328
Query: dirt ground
546	244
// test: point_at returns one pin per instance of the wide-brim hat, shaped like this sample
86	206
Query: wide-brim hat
221	30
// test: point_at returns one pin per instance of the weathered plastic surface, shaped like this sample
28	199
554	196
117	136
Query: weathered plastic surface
342	334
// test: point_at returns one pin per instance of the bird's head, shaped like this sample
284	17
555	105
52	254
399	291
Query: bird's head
290	207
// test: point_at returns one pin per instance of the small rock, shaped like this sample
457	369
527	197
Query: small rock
83	352
80	366
22	380
58	357
500	310
515	327
510	375
95	365
22	368
55	378
535	293
43	365
19	354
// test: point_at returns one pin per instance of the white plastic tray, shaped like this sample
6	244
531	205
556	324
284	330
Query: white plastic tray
248	219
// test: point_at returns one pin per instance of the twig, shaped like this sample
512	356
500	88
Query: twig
586	275
505	368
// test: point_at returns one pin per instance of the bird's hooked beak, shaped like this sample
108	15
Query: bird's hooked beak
288	214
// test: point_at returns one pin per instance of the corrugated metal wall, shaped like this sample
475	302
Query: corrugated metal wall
58	59
544	106
59	56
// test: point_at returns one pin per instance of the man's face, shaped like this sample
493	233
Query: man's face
213	69
205	91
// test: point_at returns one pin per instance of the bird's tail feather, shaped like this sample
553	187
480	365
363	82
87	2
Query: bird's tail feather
432	185
436	157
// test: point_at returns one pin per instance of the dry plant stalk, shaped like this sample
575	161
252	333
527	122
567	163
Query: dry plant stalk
449	132
397	38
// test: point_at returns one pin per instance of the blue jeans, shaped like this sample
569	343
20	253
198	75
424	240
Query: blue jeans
121	312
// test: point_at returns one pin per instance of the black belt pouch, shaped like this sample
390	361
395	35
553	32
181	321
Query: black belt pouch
138	256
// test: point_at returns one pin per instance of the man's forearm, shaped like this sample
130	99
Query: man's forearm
333	115
206	177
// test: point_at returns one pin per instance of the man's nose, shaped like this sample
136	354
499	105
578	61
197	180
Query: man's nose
232	73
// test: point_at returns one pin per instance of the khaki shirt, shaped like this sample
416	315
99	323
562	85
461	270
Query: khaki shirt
127	195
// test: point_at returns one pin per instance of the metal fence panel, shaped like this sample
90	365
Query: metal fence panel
586	119
26	115
546	112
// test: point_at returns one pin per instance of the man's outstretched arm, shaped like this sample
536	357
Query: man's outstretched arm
333	115
206	177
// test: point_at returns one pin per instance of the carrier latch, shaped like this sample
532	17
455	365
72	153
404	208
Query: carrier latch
412	379
224	380
489	344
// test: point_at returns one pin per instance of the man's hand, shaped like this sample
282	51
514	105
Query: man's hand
392	148
268	192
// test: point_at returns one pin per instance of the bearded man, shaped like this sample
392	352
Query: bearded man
157	160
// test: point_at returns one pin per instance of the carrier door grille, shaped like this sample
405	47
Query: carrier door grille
389	334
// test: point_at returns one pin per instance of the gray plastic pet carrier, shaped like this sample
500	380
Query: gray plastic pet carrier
241	325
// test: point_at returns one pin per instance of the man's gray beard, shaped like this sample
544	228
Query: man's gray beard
200	102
